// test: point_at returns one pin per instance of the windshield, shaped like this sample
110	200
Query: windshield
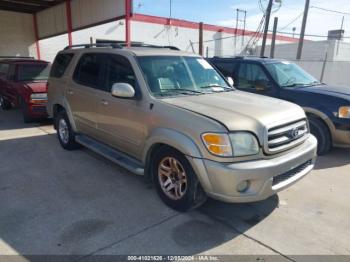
33	72
290	75
177	75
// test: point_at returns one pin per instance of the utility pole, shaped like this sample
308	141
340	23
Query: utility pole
236	29
302	32
266	29
341	35
200	43
272	50
238	20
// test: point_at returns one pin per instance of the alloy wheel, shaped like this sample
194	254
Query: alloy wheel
172	178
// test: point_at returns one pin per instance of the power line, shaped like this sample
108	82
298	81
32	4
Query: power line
330	10
295	19
310	35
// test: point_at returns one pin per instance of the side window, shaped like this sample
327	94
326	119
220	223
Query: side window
226	68
60	65
118	70
249	75
4	69
11	72
88	70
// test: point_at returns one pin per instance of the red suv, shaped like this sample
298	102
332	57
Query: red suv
23	83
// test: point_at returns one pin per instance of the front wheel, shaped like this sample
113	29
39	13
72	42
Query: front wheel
321	132
4	104
65	133
175	180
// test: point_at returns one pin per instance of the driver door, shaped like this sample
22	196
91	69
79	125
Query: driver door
252	77
120	121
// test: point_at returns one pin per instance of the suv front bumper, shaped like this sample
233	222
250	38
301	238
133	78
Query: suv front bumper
266	177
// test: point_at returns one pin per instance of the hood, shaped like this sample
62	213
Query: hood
36	87
343	92
240	111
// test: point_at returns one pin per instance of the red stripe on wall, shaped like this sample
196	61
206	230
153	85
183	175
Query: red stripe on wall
69	22
193	25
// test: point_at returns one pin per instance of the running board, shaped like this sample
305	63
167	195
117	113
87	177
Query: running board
113	155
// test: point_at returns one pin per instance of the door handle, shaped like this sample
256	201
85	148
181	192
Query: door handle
104	102
70	92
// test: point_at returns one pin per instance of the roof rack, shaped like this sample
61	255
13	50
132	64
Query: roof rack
241	56
16	57
112	45
120	45
151	46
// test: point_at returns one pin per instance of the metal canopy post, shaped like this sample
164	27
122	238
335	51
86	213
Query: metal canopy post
69	22
36	35
128	7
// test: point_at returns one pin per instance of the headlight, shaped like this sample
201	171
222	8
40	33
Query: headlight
244	144
217	144
232	145
344	112
38	96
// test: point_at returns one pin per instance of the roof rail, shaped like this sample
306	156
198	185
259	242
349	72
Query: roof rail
112	45
152	46
16	57
241	56
120	45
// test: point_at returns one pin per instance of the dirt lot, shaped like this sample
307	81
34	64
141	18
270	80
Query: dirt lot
58	202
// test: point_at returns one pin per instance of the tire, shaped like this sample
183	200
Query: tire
319	129
4	104
25	114
65	133
167	164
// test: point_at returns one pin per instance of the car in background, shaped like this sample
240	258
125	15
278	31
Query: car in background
327	107
23	83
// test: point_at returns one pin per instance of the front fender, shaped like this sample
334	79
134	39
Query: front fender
182	143
172	138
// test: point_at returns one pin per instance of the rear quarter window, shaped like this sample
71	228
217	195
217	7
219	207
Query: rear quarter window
4	69
60	65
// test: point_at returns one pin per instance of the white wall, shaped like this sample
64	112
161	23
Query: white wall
16	34
87	12
110	31
51	46
52	21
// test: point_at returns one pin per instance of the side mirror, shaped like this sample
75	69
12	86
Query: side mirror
123	90
230	81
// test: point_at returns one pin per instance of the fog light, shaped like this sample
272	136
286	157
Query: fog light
243	186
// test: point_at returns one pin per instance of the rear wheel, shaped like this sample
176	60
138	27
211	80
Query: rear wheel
4	104
25	112
65	133
175	180
321	132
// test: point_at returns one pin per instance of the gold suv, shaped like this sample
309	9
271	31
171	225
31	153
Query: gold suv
170	116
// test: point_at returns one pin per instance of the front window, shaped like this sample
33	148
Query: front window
33	72
176	75
289	75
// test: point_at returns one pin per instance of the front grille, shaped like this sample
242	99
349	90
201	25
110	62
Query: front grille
285	136
283	177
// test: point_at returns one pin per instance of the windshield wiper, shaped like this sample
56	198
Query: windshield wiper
178	91
225	88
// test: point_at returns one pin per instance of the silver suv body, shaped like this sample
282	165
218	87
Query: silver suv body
170	116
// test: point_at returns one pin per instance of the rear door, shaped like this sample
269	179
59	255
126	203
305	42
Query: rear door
9	90
4	67
82	92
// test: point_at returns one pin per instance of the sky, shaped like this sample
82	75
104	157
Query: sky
223	12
